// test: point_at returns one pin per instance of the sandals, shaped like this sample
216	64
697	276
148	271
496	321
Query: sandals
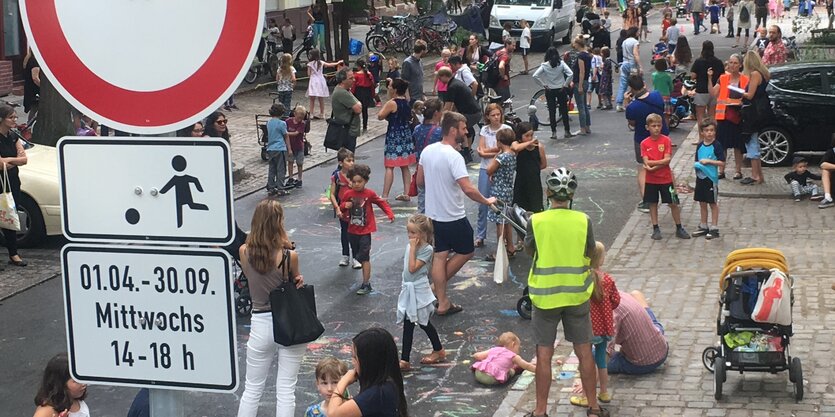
450	311
479	243
738	176
403	197
433	358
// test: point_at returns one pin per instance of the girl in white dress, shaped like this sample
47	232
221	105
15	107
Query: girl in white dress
59	394
317	87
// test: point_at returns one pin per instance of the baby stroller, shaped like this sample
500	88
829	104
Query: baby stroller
518	218
683	103
746	345
243	300
659	51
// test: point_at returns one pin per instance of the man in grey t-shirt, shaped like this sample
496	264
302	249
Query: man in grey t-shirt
412	71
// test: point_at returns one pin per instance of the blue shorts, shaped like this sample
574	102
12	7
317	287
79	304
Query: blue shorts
752	147
456	236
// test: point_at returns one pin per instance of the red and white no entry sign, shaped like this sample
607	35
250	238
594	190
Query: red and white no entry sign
144	66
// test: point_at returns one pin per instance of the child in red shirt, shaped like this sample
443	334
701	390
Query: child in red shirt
356	206
297	127
656	150
603	302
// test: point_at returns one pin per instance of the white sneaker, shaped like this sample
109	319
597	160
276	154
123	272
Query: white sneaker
344	261
620	109
356	264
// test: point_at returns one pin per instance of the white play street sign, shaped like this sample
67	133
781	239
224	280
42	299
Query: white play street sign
150	317
150	66
153	190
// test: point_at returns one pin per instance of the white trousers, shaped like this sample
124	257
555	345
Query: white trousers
260	351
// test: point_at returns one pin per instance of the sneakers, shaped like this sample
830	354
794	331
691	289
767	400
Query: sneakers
356	264
700	232
554	134
681	233
364	289
620	108
826	204
816	197
290	183
712	234
656	234
297	183
797	199
344	261
643	207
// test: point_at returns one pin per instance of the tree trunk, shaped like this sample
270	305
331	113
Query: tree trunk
54	116
328	49
338	7
344	40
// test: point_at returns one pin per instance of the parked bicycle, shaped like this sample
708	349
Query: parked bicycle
267	66
541	104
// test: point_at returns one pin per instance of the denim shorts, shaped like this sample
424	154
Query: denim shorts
752	147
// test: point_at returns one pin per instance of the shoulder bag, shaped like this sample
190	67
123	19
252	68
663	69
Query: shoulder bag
294	310
8	210
756	112
337	133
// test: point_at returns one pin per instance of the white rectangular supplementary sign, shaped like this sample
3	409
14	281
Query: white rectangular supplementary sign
150	317
153	190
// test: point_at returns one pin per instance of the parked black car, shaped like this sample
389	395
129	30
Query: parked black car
803	98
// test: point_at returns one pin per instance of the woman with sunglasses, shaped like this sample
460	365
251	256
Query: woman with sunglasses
12	155
216	126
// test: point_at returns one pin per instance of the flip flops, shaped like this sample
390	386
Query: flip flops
402	197
437	356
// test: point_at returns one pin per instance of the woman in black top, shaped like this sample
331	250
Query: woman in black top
12	155
31	86
704	101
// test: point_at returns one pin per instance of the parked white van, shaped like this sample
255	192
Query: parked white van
550	20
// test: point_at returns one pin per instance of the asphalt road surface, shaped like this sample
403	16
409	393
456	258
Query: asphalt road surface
32	322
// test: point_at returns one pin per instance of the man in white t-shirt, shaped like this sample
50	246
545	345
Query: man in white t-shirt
525	42
444	175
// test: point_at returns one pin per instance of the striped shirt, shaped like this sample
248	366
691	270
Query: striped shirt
641	342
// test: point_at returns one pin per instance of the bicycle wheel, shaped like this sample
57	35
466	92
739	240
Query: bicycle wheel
541	104
377	43
273	64
251	75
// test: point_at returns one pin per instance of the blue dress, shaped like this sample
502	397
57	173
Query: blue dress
503	183
400	147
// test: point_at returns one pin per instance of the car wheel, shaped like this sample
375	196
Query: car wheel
32	228
567	39
775	146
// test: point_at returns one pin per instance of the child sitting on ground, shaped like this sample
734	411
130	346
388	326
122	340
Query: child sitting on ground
797	180
710	157
356	207
414	306
604	300
500	363
328	373
656	151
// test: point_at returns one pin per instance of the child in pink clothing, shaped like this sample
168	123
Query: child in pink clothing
500	363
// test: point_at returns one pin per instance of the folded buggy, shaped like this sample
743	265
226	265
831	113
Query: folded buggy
518	218
746	345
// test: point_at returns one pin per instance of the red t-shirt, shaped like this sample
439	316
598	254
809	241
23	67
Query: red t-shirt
296	141
601	311
504	56
363	79
360	216
656	150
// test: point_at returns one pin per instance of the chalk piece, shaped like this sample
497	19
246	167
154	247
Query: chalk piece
458	333
570	367
465	362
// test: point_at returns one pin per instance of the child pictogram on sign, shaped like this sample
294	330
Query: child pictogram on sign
182	189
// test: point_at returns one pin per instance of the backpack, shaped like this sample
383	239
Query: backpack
490	75
744	14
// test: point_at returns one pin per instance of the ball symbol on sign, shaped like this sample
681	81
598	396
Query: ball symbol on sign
132	216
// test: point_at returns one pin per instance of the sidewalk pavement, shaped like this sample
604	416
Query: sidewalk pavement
681	281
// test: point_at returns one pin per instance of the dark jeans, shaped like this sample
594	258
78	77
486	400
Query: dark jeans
287	46
366	96
343	237
286	99
11	235
697	22
553	97
763	19
408	333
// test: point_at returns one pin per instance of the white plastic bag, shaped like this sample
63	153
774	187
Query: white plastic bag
774	301
502	264
8	211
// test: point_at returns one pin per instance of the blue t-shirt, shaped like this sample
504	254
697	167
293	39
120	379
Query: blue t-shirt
714	152
714	13
276	132
423	138
378	401
639	109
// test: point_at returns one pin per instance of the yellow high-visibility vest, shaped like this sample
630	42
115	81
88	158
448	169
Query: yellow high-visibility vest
560	275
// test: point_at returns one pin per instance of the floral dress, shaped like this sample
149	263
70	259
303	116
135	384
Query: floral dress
503	183
400	148
606	78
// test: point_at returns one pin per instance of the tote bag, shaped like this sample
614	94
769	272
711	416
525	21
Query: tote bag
502	263
294	311
8	210
774	301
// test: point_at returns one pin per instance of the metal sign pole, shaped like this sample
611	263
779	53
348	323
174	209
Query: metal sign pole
166	403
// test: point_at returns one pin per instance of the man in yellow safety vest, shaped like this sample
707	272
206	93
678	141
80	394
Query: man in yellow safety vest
560	241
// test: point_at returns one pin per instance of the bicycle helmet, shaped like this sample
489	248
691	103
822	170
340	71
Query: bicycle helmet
561	184
373	58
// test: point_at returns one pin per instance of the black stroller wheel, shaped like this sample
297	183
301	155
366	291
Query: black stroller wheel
243	305
718	376
524	307
264	156
796	376
708	356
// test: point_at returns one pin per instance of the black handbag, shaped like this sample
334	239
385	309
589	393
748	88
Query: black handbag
337	133
756	113
294	311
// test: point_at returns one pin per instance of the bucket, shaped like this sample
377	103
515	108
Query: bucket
355	47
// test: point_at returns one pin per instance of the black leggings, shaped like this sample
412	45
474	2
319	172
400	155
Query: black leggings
343	236
366	96
553	97
10	236
764	19
409	331
739	32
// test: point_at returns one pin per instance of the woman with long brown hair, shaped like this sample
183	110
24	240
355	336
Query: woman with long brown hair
12	156
268	261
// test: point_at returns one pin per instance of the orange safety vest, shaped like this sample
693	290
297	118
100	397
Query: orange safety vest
723	101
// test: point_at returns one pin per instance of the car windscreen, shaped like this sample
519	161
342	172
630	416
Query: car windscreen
540	3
